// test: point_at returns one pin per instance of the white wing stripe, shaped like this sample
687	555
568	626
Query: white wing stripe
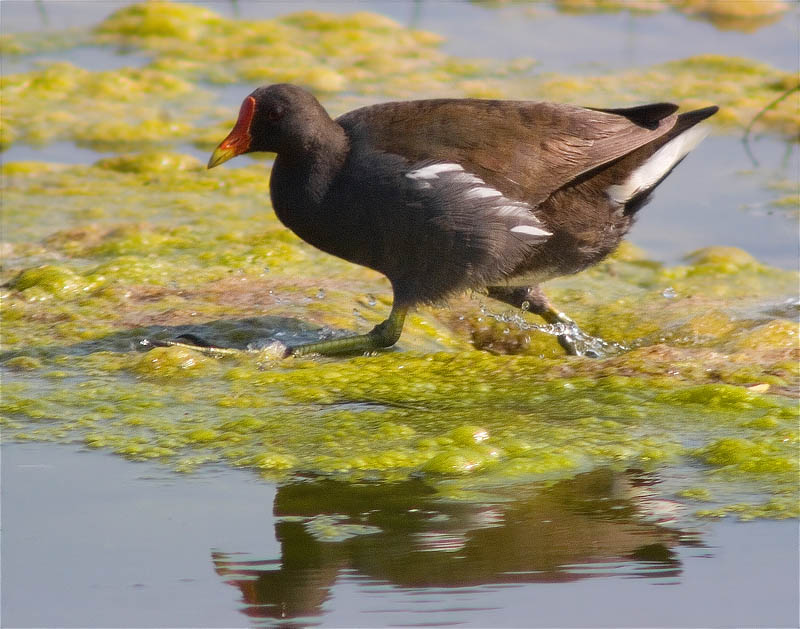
530	230
514	209
432	171
483	193
471	187
657	165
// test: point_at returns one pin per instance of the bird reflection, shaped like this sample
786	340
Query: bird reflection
405	534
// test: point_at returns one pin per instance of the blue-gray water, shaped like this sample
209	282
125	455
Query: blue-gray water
90	540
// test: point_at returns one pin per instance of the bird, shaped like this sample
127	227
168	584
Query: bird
448	195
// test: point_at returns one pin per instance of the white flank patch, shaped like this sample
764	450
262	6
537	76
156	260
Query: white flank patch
658	165
469	178
432	171
530	230
519	209
483	193
473	187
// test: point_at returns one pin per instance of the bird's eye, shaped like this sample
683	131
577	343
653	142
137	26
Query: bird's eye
274	114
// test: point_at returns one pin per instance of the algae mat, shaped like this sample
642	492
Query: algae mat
102	259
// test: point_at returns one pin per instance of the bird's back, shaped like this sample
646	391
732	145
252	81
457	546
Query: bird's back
524	149
584	172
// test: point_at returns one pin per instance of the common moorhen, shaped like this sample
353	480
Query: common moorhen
447	195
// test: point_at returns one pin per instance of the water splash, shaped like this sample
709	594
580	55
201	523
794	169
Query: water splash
569	335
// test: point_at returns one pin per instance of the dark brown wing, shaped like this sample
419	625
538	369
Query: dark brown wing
526	150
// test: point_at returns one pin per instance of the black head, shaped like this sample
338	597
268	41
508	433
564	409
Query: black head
281	118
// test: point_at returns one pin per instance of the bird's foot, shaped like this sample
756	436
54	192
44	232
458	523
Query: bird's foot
576	342
274	349
381	336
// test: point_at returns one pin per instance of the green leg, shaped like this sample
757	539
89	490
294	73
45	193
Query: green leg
382	335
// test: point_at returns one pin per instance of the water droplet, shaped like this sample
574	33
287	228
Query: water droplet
371	301
321	293
669	293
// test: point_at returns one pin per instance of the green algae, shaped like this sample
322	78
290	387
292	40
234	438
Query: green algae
172	362
700	494
326	52
106	259
349	60
150	162
50	281
28	43
611	6
742	15
162	20
750	456
361	418
785	197
125	106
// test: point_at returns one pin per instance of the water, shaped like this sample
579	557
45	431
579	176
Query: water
90	540
556	40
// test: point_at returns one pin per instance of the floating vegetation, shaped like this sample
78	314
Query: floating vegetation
739	15
125	106
102	262
149	246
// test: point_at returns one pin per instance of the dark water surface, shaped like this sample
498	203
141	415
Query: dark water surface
90	540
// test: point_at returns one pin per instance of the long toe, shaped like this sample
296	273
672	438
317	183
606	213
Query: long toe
568	342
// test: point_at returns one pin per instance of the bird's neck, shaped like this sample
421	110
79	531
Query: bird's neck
301	179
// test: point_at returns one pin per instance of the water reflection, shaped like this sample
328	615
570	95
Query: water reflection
405	535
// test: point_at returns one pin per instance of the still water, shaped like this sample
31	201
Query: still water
90	540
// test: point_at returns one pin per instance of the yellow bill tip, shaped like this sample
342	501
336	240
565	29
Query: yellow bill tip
221	154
